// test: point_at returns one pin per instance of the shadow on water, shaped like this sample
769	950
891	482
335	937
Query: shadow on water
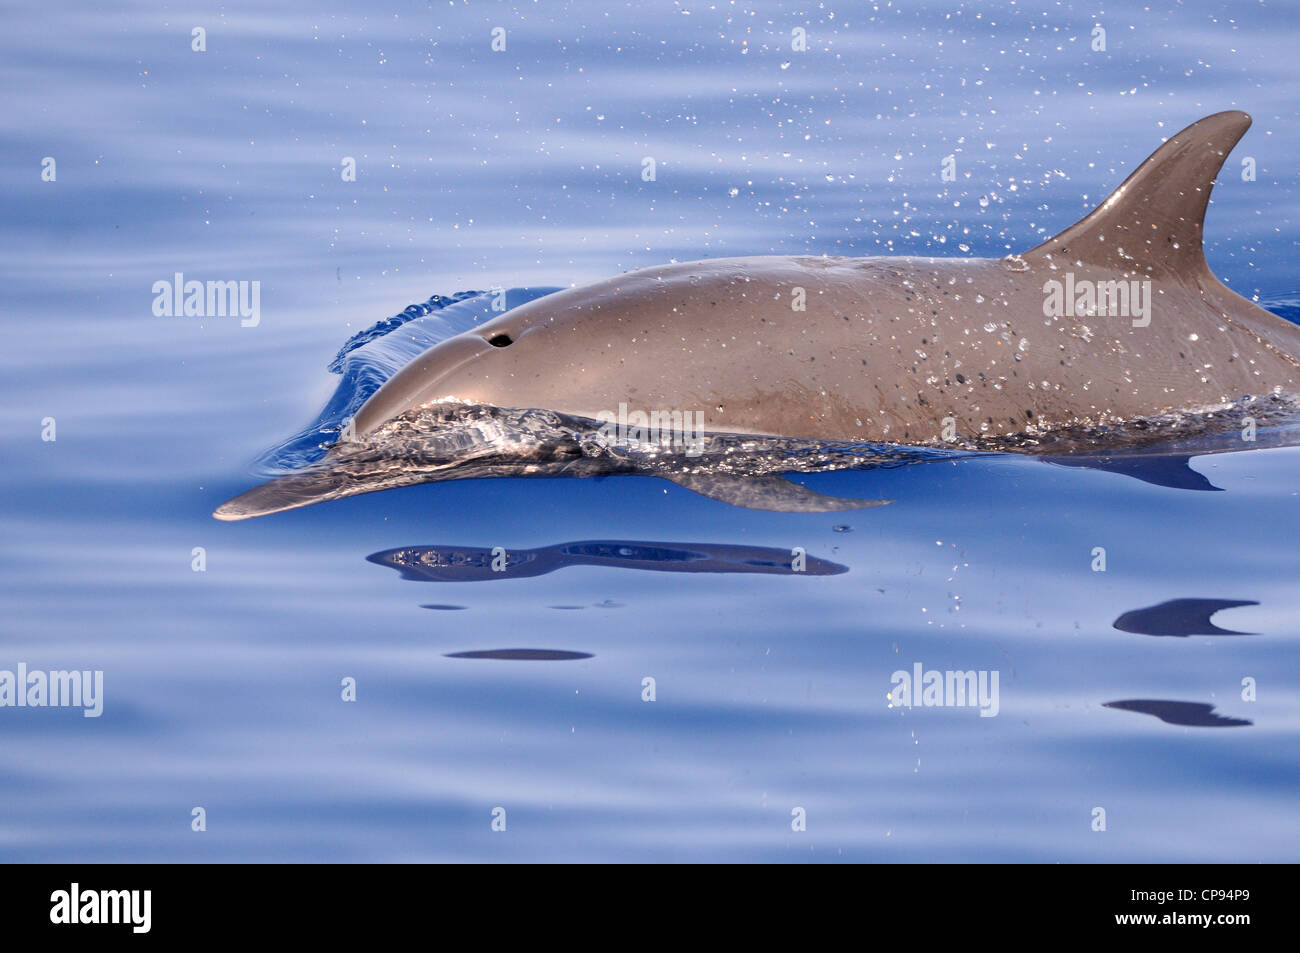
472	563
1180	618
1190	714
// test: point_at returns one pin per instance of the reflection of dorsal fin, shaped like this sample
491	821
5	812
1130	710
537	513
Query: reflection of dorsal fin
1180	617
1191	714
1152	223
770	492
1173	471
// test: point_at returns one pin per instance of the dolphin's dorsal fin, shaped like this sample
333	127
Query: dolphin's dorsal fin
1152	223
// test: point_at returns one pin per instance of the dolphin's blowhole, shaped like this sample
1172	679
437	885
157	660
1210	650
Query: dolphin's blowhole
500	340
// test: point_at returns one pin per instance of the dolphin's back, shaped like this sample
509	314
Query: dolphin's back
899	349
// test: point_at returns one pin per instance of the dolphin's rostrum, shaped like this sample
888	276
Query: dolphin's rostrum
1116	318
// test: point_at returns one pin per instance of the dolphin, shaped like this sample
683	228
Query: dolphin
1117	318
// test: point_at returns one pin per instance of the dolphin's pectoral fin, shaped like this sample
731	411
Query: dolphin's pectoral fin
767	492
1152	223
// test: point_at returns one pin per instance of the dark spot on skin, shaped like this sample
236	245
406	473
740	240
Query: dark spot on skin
500	340
961	378
1029	415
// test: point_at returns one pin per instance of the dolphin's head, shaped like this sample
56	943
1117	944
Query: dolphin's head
440	373
550	353
655	339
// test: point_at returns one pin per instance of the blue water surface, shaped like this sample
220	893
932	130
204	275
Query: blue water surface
522	168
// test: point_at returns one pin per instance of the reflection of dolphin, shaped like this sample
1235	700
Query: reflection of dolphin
1193	714
470	563
1169	470
523	655
1180	617
1164	459
1116	318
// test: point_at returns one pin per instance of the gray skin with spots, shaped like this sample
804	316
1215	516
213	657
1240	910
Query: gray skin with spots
889	349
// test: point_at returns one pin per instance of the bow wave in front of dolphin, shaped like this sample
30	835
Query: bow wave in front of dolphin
1111	336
